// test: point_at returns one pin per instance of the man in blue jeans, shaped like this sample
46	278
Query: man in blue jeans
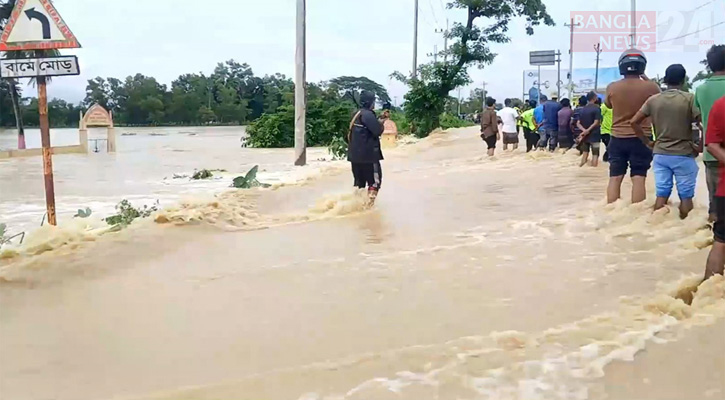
550	124
672	112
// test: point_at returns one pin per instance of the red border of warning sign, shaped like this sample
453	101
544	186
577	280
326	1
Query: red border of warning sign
70	41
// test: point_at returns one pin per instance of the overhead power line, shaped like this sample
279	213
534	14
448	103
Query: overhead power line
693	10
430	3
691	33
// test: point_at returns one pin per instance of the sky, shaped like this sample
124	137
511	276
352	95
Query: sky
373	38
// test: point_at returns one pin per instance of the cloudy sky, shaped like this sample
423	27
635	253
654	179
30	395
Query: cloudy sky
166	38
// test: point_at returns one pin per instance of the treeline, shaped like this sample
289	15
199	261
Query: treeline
232	94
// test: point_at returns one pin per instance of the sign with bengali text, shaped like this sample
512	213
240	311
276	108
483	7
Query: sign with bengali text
34	67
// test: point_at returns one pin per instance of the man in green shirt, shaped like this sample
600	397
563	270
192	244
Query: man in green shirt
606	128
529	125
705	95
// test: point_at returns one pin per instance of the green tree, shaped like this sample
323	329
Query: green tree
97	91
704	74
6	9
206	114
425	100
350	87
188	94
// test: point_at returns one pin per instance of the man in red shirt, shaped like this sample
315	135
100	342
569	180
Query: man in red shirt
715	140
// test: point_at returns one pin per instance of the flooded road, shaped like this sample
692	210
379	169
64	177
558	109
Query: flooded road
471	278
142	170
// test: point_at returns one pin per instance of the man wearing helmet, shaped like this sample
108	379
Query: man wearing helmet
629	149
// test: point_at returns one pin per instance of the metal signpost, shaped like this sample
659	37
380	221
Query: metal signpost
539	58
37	25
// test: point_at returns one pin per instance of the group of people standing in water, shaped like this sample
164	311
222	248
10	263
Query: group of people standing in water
643	127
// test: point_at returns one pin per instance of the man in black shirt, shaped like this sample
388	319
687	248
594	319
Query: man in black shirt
590	120
364	151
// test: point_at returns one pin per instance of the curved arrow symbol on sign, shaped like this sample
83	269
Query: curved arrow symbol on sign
32	14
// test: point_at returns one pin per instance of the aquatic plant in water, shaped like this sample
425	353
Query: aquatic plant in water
127	213
248	181
83	213
5	239
202	174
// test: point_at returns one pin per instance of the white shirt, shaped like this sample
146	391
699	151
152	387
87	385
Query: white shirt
508	116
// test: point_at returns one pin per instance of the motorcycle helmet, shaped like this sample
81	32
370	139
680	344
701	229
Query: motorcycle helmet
632	62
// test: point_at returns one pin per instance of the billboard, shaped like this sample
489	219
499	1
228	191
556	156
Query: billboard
583	79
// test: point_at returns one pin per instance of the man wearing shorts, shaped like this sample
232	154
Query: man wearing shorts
627	150
715	140
510	132
489	126
590	120
673	112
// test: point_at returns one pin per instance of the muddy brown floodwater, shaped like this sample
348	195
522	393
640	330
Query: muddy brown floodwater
471	278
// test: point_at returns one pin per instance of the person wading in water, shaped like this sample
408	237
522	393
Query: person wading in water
364	150
628	150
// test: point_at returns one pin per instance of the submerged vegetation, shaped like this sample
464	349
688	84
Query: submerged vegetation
249	180
126	213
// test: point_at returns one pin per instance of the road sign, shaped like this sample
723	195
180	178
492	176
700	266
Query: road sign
546	57
36	25
34	67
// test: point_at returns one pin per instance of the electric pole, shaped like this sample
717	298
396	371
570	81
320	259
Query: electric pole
459	101
445	40
484	94
558	74
415	42
434	54
300	86
571	26
598	50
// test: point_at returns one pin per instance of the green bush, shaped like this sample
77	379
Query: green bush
273	130
126	213
326	120
401	122
338	148
449	121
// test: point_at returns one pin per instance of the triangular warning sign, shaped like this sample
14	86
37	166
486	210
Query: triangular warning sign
36	25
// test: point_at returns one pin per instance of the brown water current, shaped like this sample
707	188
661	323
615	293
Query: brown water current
471	278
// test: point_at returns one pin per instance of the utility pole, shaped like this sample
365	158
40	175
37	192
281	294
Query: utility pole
634	24
434	54
484	94
415	43
47	157
571	26
598	50
523	84
558	74
300	86
538	84
445	40
459	101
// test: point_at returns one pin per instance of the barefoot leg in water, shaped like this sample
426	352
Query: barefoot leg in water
716	260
